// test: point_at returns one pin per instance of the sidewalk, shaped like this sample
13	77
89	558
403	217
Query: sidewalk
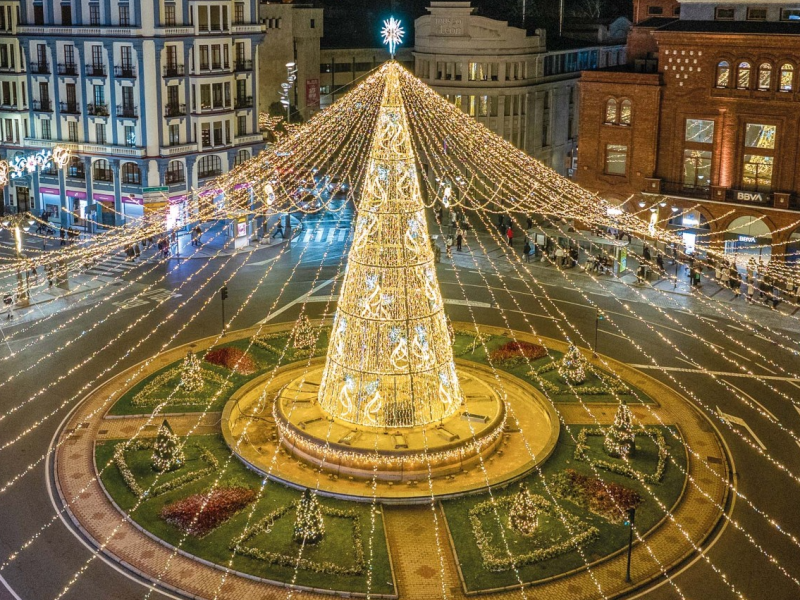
47	301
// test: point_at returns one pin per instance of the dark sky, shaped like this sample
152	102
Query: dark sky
351	23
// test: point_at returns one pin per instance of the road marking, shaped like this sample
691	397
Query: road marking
706	318
794	384
331	233
797	408
743	423
739	355
735	327
622	337
766	369
8	587
686	361
307	236
753	400
341	235
302	298
320	233
758	335
719	373
262	262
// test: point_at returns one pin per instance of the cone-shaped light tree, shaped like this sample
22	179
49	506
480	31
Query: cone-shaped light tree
191	373
523	515
304	334
309	526
390	360
167	454
620	440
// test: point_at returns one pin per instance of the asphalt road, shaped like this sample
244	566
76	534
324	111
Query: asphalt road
541	300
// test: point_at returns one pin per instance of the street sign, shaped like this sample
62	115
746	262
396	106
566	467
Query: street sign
155	190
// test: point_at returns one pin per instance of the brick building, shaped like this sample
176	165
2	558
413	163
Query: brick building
703	124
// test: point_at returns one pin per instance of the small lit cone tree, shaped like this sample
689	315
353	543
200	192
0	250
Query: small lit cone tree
572	367
304	334
523	516
309	527
167	453
620	439
191	373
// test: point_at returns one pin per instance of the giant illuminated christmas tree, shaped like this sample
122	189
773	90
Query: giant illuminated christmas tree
390	362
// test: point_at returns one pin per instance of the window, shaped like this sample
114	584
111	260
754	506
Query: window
205	134
724	14
46	132
175	173
238	13
174	135
786	81
655	11
241	157
477	72
131	174
66	14
313	24
616	159
760	136
204	58
790	14
130	136
743	76
699	131
545	134
756	14
38	14
101	171
100	132
696	168
127	100
757	173
76	168
625	113
241	125
209	166
218	141
764	77
484	106
94	14
124	15
169	15
97	57
611	111
69	55
99	95
723	74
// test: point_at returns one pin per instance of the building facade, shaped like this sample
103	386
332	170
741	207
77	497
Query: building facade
507	79
342	69
712	135
145	94
293	35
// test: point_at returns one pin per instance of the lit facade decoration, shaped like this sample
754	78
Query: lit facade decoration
390	362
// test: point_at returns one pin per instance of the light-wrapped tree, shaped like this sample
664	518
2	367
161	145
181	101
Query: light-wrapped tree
167	452
304	337
309	527
191	373
523	516
620	439
572	367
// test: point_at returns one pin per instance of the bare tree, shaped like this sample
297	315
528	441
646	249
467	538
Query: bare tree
588	9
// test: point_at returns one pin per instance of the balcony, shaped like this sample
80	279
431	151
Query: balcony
97	110
174	71
39	68
174	150
42	106
175	110
127	112
68	69
244	102
208	108
683	189
70	108
124	72
95	70
243	65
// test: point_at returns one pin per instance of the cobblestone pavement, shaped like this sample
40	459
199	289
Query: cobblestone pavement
425	566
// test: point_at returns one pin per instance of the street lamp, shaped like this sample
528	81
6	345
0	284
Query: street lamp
15	223
286	88
629	522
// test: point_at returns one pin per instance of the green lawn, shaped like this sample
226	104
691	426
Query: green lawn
337	547
612	537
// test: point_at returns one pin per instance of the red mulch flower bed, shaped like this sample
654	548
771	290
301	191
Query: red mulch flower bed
201	513
516	351
232	358
606	498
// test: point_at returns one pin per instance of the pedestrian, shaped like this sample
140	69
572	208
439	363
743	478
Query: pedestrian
529	224
510	236
736	283
526	250
137	251
573	255
63	235
200	235
640	274
691	276
194	237
733	277
34	275
718	271
660	261
453	219
8	302
776	296
278	231
697	278
49	272
646	254
449	245
500	223
751	288
559	257
725	278
459	240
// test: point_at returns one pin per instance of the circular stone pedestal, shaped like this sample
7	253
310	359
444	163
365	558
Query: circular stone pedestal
504	429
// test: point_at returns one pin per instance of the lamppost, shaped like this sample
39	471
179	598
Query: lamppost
629	522
286	89
15	223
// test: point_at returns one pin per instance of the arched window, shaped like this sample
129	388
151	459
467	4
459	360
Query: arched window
611	111
242	156
75	168
743	76
101	171
765	77
625	112
131	174
786	78
175	173
209	166
723	74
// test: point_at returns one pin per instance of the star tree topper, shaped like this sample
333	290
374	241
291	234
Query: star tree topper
392	34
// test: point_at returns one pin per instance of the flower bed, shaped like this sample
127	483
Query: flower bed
200	513
232	358
512	353
618	465
166	389
574	534
604	498
295	559
174	483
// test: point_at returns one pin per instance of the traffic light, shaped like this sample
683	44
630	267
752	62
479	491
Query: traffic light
631	516
223	292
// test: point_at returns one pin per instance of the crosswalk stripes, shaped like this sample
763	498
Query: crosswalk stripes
111	267
333	234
